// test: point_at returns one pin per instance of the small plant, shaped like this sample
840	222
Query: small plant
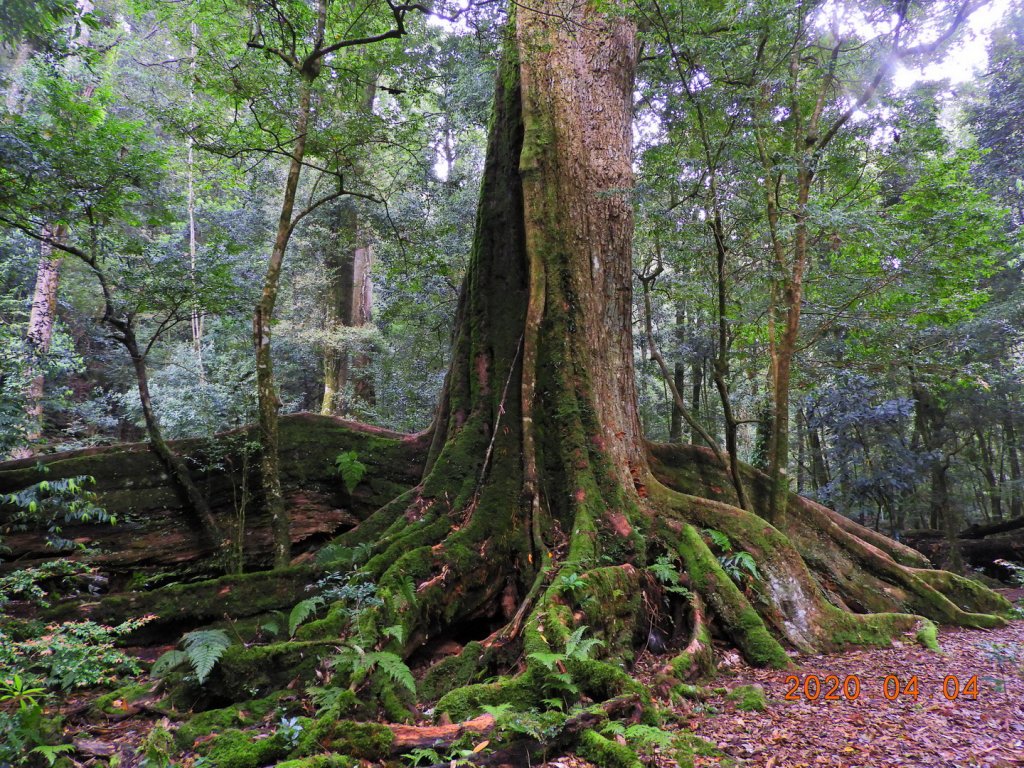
739	566
424	756
50	503
360	665
202	650
665	570
290	730
572	583
158	746
351	469
558	684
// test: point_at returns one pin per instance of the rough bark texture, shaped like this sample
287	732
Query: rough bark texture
40	326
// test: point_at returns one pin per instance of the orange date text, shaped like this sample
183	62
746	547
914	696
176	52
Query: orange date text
892	688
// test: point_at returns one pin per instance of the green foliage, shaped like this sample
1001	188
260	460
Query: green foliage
50	752
75	654
666	571
27	583
158	746
360	665
739	566
49	503
204	647
347	465
558	684
301	612
202	650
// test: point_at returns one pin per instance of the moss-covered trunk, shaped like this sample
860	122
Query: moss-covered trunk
541	506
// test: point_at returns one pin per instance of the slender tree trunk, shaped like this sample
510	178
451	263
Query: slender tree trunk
675	430
1013	456
269	404
172	462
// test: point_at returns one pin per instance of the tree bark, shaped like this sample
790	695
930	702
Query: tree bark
538	470
349	305
40	327
268	401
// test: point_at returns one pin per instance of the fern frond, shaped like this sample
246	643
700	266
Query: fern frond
302	611
396	670
204	647
168	662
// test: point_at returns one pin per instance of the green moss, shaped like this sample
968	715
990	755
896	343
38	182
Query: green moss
523	692
320	761
238	596
127	694
367	741
698	664
453	672
605	752
928	636
222	720
687	747
749	698
243	749
243	673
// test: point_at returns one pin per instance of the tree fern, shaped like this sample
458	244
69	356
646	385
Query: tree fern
204	647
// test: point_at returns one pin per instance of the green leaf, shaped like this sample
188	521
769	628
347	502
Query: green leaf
301	612
168	662
350	469
204	648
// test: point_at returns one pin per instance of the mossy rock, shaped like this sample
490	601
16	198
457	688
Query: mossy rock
453	672
127	694
749	698
235	748
367	741
246	673
606	752
237	596
227	718
688	747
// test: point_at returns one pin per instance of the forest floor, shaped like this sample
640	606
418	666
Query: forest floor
963	707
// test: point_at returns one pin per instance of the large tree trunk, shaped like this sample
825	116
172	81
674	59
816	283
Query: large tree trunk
538	475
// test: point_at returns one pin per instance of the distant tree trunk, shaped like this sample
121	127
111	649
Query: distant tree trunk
931	422
1013	456
992	477
675	430
349	305
40	326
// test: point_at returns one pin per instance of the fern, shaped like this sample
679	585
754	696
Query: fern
719	539
167	663
204	647
395	631
578	647
392	666
548	660
302	611
350	468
